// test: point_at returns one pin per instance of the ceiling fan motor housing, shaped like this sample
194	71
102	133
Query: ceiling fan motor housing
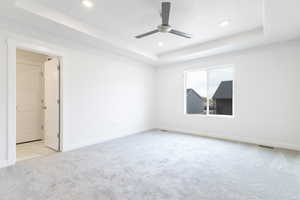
164	28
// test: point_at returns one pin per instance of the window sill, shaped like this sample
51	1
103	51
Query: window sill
212	116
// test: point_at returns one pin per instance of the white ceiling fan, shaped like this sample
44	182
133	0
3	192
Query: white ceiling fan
165	27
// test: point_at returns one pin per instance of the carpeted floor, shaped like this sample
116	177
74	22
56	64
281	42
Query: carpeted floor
155	166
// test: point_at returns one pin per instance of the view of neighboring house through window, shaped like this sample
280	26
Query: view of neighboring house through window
210	91
196	92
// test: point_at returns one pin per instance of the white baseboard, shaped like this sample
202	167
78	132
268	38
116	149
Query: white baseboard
94	141
239	139
4	163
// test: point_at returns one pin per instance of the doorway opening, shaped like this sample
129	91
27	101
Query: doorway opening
37	104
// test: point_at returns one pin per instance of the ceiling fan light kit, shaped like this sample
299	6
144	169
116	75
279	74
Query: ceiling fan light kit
165	27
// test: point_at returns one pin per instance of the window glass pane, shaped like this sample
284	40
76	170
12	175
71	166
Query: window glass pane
196	92
220	90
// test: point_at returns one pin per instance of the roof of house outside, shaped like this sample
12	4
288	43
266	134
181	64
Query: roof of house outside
190	90
224	90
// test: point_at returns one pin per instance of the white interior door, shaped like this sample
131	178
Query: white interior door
29	95
51	85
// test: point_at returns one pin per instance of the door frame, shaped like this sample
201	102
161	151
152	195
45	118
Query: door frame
12	46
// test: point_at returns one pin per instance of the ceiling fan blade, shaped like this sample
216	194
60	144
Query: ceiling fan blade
165	12
179	33
146	34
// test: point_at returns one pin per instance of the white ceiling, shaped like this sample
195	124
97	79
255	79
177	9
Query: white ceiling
116	22
125	19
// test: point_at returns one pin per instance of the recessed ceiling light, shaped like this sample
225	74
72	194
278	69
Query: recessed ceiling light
224	23
87	3
160	44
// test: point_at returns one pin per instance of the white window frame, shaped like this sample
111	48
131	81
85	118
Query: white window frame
207	69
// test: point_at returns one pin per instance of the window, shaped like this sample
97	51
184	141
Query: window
209	91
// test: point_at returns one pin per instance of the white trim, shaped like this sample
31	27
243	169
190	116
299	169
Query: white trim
4	163
12	46
95	141
207	69
11	101
245	140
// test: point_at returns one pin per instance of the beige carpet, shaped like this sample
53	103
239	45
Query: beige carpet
155	166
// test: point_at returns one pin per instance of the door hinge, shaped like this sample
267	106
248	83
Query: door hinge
42	127
58	135
58	101
42	74
58	67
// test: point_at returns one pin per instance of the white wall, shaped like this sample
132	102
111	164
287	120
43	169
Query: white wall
105	96
267	97
108	96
